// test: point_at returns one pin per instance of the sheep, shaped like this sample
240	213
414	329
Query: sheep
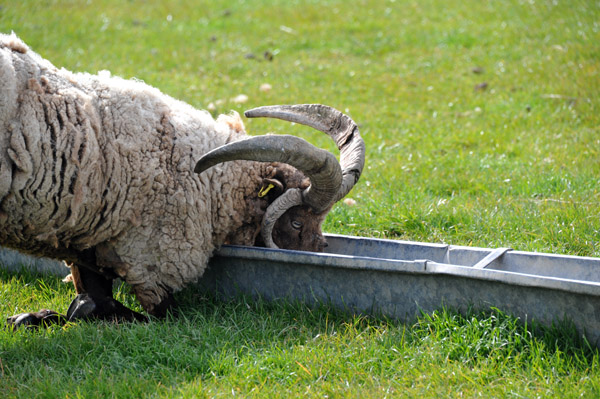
122	181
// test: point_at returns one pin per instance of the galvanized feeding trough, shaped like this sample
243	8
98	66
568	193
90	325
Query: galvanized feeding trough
399	279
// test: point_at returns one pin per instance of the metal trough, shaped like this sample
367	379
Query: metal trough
399	279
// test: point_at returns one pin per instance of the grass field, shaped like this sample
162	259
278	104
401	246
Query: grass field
482	125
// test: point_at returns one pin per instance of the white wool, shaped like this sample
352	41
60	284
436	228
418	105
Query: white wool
99	161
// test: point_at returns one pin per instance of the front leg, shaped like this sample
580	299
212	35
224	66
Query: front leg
94	300
44	318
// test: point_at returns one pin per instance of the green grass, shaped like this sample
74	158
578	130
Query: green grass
514	165
259	349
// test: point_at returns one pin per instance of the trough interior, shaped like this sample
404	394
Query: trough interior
539	264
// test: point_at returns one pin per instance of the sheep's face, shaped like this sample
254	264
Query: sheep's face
300	229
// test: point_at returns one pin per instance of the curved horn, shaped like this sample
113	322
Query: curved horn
341	128
320	166
330	181
289	199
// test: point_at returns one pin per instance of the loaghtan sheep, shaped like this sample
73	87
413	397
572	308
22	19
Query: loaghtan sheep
120	180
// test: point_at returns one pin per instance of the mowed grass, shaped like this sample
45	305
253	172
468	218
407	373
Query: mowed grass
482	125
252	348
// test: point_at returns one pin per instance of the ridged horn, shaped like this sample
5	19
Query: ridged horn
320	166
330	180
341	128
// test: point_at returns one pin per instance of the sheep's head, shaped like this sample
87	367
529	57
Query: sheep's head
300	228
293	219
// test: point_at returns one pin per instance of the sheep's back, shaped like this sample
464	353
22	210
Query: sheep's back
99	161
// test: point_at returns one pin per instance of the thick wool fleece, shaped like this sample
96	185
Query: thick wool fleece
93	161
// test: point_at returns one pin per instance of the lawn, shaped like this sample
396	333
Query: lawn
482	125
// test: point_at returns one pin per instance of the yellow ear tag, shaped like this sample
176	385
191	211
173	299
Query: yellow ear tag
264	190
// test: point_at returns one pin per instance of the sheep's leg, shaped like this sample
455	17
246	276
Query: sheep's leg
44	318
94	300
167	306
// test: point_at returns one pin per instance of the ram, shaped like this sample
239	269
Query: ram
122	181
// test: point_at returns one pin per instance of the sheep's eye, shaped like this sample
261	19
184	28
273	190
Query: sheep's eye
296	224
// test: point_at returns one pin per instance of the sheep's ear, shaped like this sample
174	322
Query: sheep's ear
270	188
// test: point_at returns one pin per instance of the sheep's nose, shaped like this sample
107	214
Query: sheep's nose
320	243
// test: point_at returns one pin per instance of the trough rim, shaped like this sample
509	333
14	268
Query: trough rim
419	266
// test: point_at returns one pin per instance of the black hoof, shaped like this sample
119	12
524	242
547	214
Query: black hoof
42	318
82	308
85	307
